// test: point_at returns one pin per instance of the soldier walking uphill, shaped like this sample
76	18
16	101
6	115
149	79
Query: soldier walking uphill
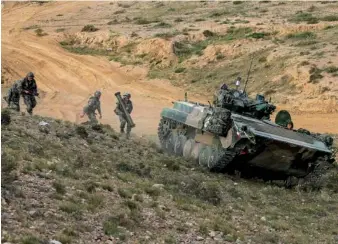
118	111
13	96
28	90
93	105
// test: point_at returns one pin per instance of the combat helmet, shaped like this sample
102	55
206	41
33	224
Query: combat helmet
30	74
97	94
126	94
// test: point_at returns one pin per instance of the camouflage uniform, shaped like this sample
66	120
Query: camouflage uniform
13	96
28	89
118	110
93	105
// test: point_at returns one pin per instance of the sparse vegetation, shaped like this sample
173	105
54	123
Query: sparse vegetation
219	56
89	28
40	32
120	11
304	17
315	75
60	30
208	33
162	25
123	5
59	187
29	239
331	69
258	35
262	59
124	193
219	14
141	21
32	27
330	18
302	35
306	43
167	34
179	70
113	22
311	9
304	63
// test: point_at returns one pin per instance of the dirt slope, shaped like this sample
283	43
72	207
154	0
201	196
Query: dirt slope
67	80
80	184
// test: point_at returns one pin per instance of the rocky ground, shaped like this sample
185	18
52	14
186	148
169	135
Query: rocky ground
81	184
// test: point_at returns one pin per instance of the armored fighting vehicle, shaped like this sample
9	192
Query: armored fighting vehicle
236	134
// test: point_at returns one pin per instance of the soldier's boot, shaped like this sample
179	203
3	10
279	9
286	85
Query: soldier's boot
30	111
121	130
128	132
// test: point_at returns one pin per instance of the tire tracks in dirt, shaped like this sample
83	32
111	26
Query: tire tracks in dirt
68	80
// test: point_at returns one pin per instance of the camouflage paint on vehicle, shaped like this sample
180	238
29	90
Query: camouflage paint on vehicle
194	115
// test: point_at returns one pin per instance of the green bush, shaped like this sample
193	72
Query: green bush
331	69
302	35
89	28
162	25
258	35
304	17
179	70
208	33
330	18
39	32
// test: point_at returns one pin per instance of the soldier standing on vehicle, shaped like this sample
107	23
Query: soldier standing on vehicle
28	90
13	96
93	105
118	111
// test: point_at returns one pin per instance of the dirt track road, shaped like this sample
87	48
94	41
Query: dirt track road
67	80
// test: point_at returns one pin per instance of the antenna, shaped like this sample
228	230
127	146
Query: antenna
247	78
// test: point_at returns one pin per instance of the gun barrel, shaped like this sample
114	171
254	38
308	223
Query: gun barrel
124	110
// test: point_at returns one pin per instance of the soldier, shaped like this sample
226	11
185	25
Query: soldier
289	126
118	110
93	105
219	95
28	89
13	96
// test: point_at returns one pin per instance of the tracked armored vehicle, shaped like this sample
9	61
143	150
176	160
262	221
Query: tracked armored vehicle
236	134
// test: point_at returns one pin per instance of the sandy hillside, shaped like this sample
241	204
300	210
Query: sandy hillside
67	79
